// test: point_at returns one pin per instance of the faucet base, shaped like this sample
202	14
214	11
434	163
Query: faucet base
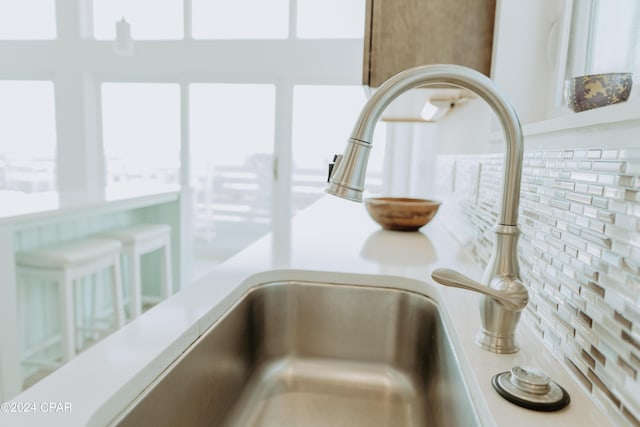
497	343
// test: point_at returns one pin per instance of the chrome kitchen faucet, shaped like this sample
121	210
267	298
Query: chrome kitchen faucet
504	295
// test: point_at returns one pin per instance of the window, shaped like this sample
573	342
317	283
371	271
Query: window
230	124
149	19
27	136
27	20
141	132
138	107
330	19
240	19
232	142
323	118
604	38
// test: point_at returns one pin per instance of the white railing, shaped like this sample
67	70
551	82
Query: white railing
227	196
27	174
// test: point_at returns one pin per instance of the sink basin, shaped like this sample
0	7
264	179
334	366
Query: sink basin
297	353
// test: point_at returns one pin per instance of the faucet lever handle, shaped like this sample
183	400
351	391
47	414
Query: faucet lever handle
513	300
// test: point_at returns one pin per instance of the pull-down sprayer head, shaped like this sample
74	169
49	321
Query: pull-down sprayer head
346	178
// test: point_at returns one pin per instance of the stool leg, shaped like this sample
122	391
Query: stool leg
22	316
79	307
135	283
118	302
67	309
167	273
96	286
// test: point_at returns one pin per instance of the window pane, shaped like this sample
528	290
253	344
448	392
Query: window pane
331	19
636	65
232	140
141	132
612	37
27	136
323	118
240	19
149	19
27	19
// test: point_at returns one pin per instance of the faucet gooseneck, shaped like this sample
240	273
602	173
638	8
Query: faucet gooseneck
504	295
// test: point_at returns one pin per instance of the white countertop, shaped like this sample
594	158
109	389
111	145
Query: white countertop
333	238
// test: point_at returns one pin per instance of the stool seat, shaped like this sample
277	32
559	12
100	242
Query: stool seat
138	233
68	253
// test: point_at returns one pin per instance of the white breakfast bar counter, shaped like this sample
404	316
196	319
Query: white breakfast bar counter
28	221
333	238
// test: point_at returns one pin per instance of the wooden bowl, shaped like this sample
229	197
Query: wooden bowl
401	213
597	90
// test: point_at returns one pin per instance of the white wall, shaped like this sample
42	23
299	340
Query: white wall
528	47
410	159
466	129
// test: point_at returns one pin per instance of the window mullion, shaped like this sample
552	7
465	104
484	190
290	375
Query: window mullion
281	201
293	19
634	48
79	149
185	143
187	16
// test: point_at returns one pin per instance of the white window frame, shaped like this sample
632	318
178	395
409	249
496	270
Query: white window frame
78	64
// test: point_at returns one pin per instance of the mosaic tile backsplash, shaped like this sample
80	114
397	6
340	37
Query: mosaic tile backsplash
580	257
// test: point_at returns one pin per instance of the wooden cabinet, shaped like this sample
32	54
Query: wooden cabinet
400	34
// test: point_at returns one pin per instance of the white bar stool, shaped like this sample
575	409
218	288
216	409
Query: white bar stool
64	264
138	240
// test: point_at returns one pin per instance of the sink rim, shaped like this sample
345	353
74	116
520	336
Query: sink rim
260	280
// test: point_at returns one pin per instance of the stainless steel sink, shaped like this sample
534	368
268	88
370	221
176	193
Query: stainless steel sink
315	354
